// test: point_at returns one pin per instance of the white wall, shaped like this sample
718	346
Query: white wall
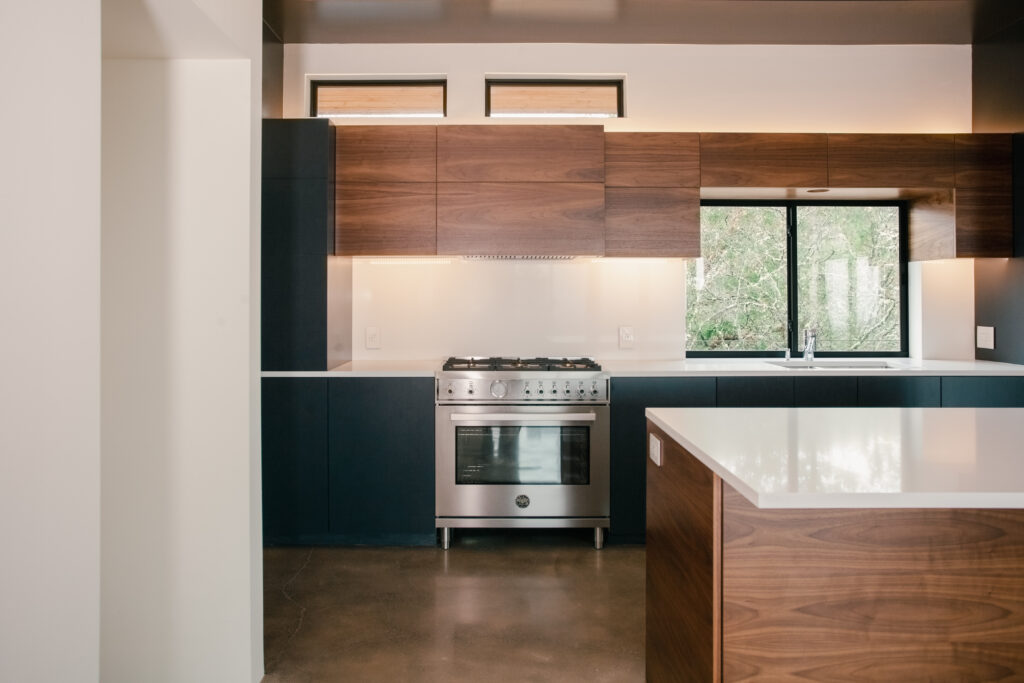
181	542
941	311
49	305
753	88
175	316
519	308
742	88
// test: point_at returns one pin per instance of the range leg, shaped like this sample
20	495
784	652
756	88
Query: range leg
446	537
598	537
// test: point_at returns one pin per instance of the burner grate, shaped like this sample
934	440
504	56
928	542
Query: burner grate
510	364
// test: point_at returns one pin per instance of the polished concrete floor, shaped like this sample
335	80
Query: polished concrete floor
541	606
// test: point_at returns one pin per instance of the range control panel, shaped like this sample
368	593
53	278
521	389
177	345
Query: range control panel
540	388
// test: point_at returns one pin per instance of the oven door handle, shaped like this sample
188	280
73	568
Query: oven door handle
523	417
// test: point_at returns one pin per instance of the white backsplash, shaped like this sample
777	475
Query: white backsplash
434	308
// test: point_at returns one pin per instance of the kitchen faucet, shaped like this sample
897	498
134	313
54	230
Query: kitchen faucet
810	337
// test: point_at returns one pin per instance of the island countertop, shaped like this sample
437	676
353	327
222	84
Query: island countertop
858	457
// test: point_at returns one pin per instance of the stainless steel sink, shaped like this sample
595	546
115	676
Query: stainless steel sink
837	364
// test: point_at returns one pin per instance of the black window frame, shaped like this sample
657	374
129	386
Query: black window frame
315	85
792	333
541	82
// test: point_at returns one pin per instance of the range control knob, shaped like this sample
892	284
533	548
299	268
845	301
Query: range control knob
451	389
498	389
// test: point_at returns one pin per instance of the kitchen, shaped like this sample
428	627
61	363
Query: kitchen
995	288
392	298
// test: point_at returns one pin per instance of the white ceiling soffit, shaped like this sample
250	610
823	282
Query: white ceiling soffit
162	29
627	21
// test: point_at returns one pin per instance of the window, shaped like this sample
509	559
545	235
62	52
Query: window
769	270
553	98
416	99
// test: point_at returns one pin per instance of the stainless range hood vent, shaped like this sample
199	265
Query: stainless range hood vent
521	257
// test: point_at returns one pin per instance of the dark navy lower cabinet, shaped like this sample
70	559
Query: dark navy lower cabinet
295	486
983	392
898	392
825	392
630	397
381	444
755	392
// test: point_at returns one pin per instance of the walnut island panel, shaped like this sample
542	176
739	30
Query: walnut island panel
835	544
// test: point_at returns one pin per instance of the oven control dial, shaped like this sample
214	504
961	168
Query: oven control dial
451	388
498	389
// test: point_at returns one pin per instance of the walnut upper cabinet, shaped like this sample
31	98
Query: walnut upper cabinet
542	154
974	217
984	195
763	160
890	160
652	194
520	190
385	190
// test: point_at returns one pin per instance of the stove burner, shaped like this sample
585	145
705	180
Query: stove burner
521	364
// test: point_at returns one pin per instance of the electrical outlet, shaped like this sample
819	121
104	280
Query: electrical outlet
373	337
654	450
986	337
626	337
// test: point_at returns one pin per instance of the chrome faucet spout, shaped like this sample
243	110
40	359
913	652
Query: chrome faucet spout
810	338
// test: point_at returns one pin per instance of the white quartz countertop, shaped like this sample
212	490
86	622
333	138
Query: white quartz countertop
697	367
858	457
694	367
369	368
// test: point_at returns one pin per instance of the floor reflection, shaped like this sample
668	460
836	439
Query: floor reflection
524	606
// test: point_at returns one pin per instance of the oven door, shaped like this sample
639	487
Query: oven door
503	461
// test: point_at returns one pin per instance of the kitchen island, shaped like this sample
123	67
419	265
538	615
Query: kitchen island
835	544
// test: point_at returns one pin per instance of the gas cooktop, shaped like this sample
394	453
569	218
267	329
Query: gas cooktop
521	364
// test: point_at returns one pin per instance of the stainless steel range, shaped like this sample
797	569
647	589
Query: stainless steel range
522	442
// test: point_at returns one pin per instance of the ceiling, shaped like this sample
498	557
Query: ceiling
792	22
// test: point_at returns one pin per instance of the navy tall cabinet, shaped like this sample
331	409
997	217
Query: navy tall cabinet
298	235
346	460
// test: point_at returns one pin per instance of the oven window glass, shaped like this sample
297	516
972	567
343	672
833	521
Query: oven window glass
522	455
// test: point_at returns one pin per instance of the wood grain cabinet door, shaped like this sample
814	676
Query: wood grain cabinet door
386	154
890	160
652	160
984	195
652	221
763	160
385	219
550	154
510	219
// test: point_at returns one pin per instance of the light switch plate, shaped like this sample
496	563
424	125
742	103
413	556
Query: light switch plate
373	337
654	450
986	337
626	337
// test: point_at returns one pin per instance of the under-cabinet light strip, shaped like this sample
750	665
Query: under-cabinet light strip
409	260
